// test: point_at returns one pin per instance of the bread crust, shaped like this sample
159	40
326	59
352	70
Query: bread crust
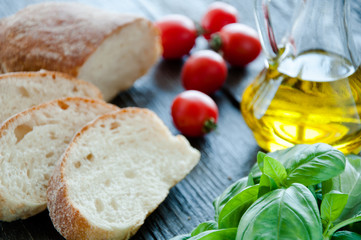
31	76
13	119
65	216
55	36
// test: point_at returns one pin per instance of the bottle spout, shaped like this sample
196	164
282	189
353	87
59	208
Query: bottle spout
265	29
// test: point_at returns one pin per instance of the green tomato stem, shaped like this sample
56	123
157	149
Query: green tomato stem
209	125
215	42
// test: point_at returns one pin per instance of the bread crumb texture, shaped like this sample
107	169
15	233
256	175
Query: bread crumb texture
30	144
115	172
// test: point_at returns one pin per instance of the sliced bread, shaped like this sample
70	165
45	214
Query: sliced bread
21	90
110	50
114	173
30	144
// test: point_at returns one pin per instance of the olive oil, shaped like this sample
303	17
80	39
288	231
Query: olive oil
314	97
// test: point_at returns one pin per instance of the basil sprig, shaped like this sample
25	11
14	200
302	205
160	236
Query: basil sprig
307	192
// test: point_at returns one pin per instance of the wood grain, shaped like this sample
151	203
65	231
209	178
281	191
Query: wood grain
227	154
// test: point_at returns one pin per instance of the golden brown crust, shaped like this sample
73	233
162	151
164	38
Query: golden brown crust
55	36
54	75
11	120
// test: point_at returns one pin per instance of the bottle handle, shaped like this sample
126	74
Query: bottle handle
265	29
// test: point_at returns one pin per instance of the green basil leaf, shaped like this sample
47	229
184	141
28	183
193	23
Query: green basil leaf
260	158
332	205
256	173
348	182
346	235
282	214
205	226
229	193
275	170
266	185
312	164
250	181
300	154
221	234
181	237
237	206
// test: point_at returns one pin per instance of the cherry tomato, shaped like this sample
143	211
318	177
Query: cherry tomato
204	71
218	15
239	44
178	35
194	113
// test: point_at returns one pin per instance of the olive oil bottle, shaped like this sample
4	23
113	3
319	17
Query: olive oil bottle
310	89
314	97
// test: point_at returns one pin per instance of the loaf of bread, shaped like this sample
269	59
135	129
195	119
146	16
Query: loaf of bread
22	90
30	144
114	173
110	50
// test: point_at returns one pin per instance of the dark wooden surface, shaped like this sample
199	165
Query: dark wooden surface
227	154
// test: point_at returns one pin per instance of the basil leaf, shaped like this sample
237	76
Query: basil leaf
346	235
348	182
256	173
221	234
332	205
282	214
205	226
250	181
312	164
181	237
260	158
237	206
275	170
229	193
266	185
308	158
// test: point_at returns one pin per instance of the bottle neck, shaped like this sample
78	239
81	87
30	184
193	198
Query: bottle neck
322	25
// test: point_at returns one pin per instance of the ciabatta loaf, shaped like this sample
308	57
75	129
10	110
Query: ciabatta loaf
114	173
30	144
110	50
21	90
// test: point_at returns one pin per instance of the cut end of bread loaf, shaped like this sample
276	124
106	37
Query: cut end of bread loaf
30	144
114	173
22	90
122	58
111	50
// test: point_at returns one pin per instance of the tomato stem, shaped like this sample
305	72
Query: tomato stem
209	125
200	30
216	42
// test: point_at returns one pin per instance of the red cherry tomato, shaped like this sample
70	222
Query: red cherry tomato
178	35
194	113
239	44
204	71
218	15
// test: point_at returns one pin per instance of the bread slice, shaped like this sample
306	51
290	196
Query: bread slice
110	50
114	173
22	90
30	144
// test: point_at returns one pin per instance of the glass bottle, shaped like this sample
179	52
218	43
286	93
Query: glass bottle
310	89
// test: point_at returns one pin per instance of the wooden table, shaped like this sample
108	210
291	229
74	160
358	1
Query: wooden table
227	154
